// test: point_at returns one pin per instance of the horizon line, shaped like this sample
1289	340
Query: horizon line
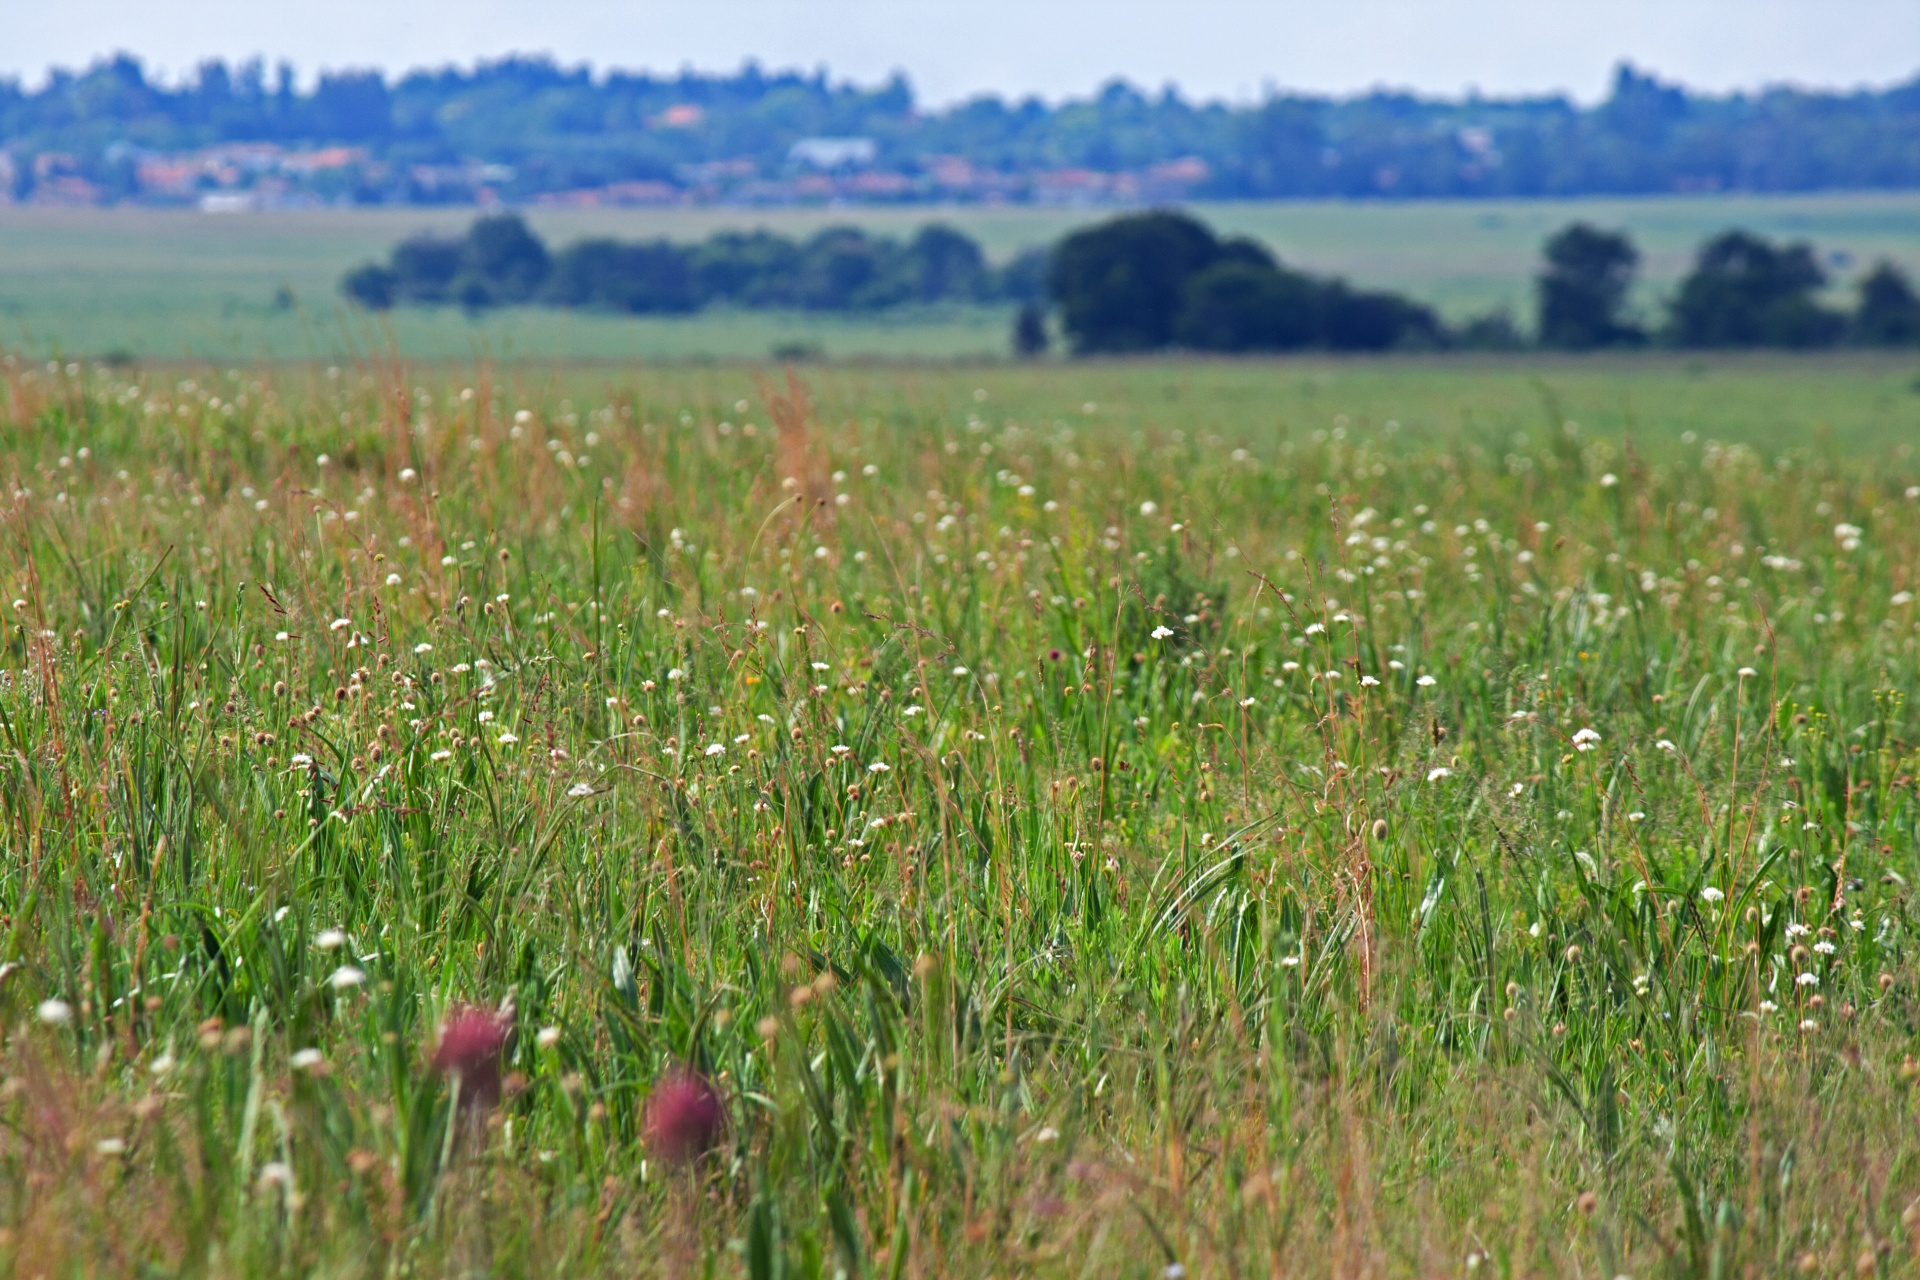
173	80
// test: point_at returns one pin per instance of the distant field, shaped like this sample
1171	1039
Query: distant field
164	284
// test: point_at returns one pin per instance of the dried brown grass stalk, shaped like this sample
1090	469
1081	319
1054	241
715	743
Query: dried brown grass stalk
800	454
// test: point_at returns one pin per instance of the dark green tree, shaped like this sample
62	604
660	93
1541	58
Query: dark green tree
1375	320
1583	289
505	256
749	269
946	264
1745	291
1889	314
652	276
424	268
1243	305
1490	331
1120	285
1030	339
845	269
1024	278
370	285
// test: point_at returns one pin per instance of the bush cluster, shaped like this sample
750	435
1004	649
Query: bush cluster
1743	291
1146	281
501	261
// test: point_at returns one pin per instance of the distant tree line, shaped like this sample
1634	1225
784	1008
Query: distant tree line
560	128
501	262
1743	291
1152	281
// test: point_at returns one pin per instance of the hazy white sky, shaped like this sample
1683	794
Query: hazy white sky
954	48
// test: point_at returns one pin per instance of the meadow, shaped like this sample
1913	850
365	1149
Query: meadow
171	285
1293	818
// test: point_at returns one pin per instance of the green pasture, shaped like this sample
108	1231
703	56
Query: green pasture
161	284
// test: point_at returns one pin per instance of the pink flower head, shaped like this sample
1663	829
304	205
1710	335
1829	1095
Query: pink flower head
684	1117
471	1042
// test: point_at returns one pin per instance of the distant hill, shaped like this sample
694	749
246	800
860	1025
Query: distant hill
528	130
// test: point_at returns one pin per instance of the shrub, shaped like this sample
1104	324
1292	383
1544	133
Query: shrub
1747	292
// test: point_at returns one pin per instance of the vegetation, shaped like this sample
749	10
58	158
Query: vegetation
1583	289
1125	820
1141	282
1144	282
500	261
1743	291
172	285
522	126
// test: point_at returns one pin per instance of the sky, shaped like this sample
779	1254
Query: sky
953	49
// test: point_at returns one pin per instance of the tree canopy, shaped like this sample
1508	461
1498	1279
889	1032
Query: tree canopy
532	125
500	261
1745	291
1146	281
1583	289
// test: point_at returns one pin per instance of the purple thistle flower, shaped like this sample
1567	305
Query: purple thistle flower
684	1117
471	1042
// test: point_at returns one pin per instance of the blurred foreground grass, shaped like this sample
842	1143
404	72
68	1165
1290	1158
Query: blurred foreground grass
1135	820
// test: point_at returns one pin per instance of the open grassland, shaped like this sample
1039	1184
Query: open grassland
165	284
1291	819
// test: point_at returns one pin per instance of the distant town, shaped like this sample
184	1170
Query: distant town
239	177
527	132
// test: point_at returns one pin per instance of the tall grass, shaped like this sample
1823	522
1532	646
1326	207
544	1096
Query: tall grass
1063	846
